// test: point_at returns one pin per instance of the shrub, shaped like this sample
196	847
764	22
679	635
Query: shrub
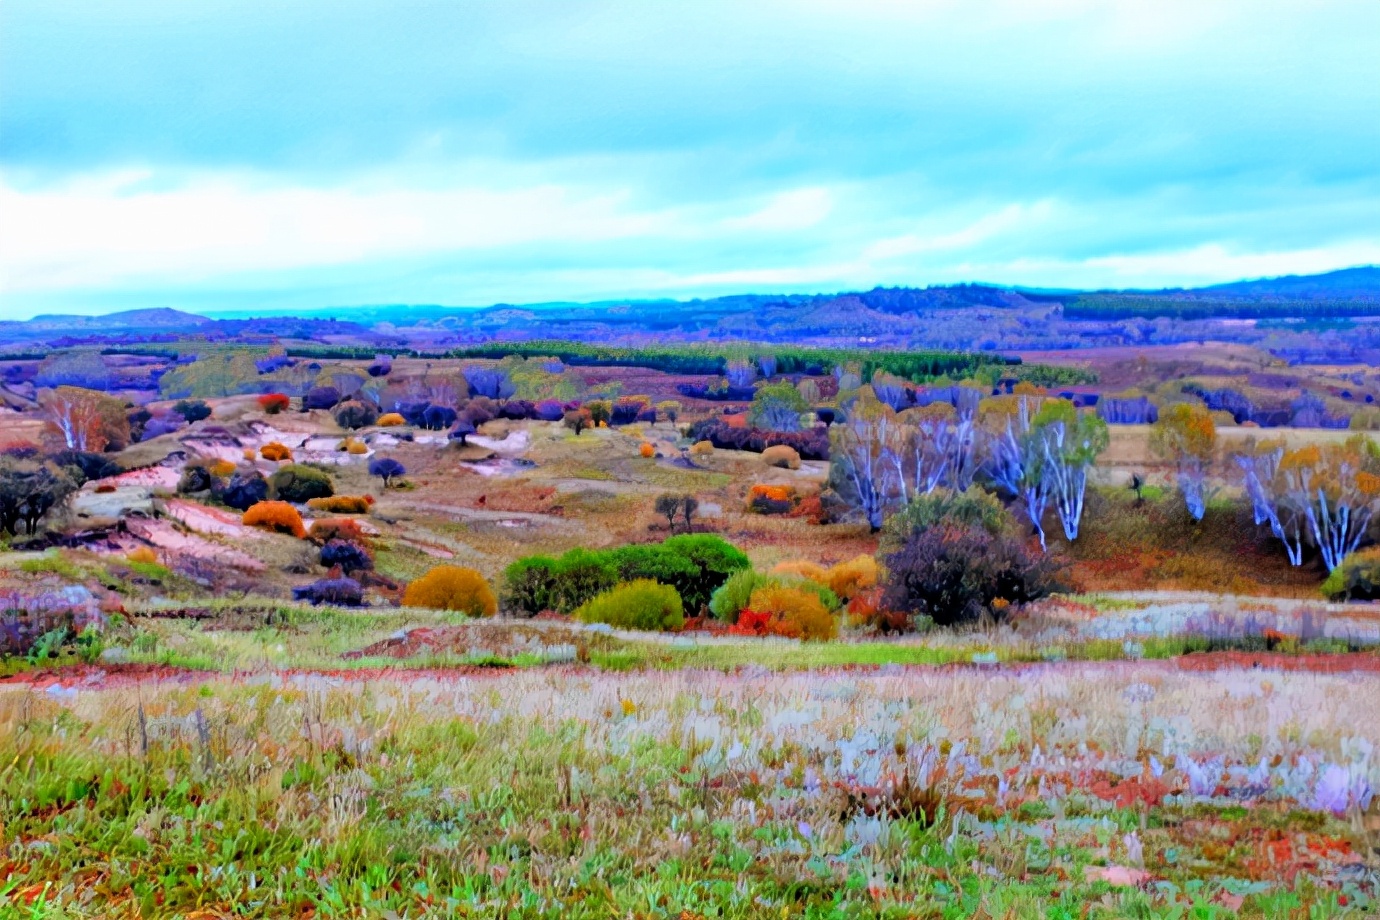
783	456
974	507
641	604
701	449
354	415
328	529
342	592
1357	578
451	587
276	451
300	484
193	410
222	469
955	574
391	420
348	555
800	568
273	403
582	574
142	555
798	613
245	489
195	478
321	398
279	517
646	450
435	418
828	598
848	579
530	585
342	504
716	559
770	499
357	447
657	563
731	597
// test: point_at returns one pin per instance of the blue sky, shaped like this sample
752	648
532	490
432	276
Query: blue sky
275	155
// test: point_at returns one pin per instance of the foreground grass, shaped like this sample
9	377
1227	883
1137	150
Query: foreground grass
588	794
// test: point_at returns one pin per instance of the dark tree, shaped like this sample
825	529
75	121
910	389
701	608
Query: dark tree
193	410
387	469
462	430
668	506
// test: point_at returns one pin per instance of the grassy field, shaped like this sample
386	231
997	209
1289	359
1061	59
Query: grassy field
344	764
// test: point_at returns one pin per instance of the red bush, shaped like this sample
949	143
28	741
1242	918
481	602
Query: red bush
273	403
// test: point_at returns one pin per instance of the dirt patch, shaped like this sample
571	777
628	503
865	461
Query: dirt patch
478	641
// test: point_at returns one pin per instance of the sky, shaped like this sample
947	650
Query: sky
237	154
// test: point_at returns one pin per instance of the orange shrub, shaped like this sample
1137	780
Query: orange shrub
848	578
358	447
273	403
348	529
142	554
276	451
222	468
811	508
249	454
451	587
342	504
390	420
798	612
769	499
647	450
279	517
802	568
701	449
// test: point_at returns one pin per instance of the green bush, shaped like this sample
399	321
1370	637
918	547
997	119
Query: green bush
657	562
299	484
729	599
716	560
580	574
641	604
1357	578
529	585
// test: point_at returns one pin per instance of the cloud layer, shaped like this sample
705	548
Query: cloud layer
297	155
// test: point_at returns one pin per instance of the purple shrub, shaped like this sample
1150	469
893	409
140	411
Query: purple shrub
342	592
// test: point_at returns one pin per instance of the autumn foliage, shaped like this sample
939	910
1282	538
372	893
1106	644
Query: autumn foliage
452	587
276	451
391	420
342	504
790	612
273	403
279	517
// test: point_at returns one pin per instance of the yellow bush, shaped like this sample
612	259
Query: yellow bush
342	504
802	569
797	612
249	454
849	578
451	587
142	554
358	447
647	450
390	420
279	517
222	468
783	456
701	449
276	451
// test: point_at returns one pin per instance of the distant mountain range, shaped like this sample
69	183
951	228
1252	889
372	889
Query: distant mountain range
882	316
